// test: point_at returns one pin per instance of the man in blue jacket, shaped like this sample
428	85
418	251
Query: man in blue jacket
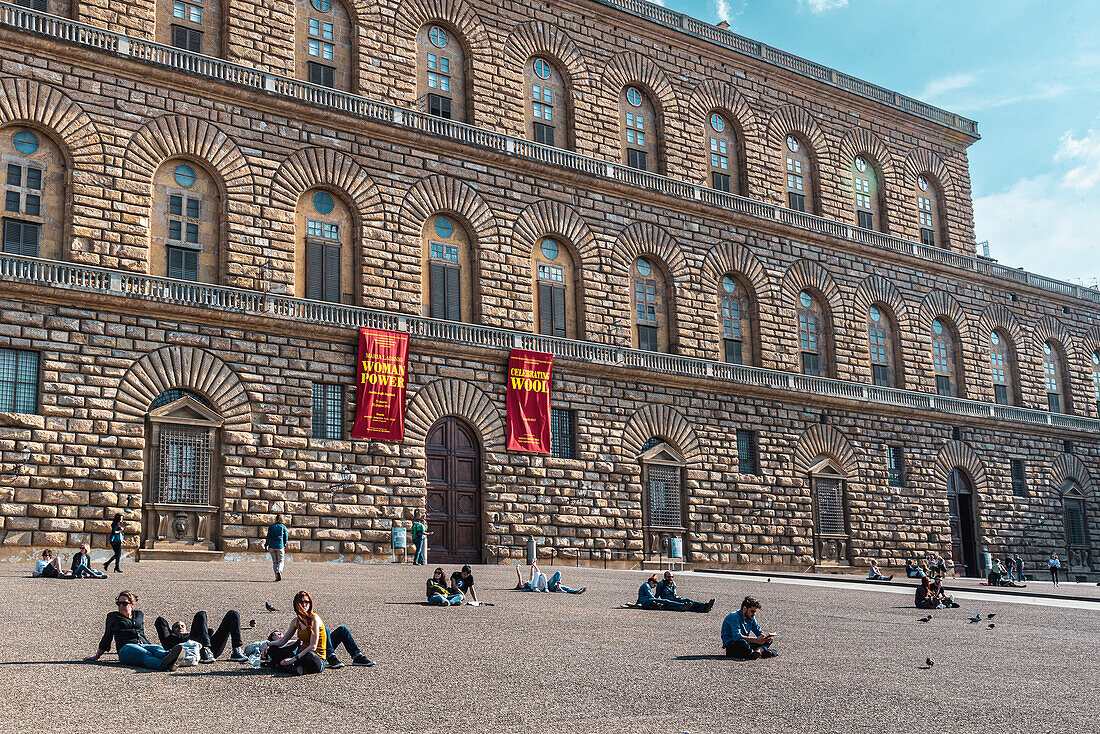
666	590
648	599
276	545
742	636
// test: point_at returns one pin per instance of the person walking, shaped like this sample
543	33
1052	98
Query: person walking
115	539
1019	568
420	540
276	545
1055	564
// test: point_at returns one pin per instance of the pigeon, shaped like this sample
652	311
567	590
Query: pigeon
976	618
769	579
925	619
273	609
991	615
929	662
251	623
991	625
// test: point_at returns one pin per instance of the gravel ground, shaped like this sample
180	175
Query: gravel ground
851	658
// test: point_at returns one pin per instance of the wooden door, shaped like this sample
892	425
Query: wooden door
454	492
964	550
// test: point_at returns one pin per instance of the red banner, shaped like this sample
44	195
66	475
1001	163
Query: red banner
529	401
380	386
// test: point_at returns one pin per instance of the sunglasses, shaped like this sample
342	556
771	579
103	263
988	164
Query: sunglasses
123	603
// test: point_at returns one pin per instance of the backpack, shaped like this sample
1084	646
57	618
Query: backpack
190	656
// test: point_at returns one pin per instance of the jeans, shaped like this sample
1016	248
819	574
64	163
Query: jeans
421	556
742	649
277	555
228	629
116	546
142	656
554	584
342	636
83	572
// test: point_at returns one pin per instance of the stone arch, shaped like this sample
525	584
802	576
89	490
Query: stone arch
546	218
631	67
920	161
441	193
940	303
459	398
173	136
312	167
643	238
793	119
730	257
877	289
804	274
1049	328
821	440
1069	468
959	455
1000	317
411	16
43	106
713	94
188	368
861	141
536	38
1090	343
664	422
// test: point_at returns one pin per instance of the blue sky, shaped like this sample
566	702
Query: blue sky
1027	70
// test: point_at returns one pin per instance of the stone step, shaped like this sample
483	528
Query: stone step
178	554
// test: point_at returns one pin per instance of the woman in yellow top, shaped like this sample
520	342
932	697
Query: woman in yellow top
302	650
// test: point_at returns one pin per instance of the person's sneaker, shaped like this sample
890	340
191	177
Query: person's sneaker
754	655
278	576
766	653
172	660
708	606
206	656
585	588
238	656
333	662
362	660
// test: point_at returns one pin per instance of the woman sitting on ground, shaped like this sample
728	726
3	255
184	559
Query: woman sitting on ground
539	582
912	570
82	565
127	628
925	599
438	593
302	649
875	575
49	567
943	599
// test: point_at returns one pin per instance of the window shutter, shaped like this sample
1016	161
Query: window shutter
30	240
13	237
558	295
179	36
546	312
437	285
315	271
194	41
331	283
175	263
454	294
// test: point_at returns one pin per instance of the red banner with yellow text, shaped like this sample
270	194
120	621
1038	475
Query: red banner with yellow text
529	401
380	385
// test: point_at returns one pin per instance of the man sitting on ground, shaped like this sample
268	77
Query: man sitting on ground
462	582
875	575
539	582
912	570
742	636
666	590
648	599
212	642
49	567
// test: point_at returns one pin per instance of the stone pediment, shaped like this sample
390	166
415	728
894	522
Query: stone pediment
825	467
662	453
186	410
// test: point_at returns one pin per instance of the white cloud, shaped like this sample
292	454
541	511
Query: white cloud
722	10
944	84
820	6
1084	155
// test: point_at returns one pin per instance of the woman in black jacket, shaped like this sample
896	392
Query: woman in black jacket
82	565
115	540
126	628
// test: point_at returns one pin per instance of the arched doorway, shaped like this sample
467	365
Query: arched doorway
453	464
960	508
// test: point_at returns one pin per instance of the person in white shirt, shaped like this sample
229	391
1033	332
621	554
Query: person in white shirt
49	567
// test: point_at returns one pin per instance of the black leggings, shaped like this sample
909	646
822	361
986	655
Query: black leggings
741	649
1054	574
308	664
228	630
117	548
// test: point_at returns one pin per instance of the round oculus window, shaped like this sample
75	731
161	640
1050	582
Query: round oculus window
437	36
717	122
995	338
937	326
861	165
322	5
323	203
25	142
550	249
1046	348
875	313
922	182
634	97
444	228
805	299
792	143
185	175
1096	357
729	285
644	268
542	68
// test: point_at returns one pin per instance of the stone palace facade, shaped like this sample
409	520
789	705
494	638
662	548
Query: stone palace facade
772	338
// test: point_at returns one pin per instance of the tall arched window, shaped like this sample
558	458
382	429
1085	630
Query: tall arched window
556	299
1054	378
1096	380
723	153
441	74
929	210
663	500
867	194
1076	528
34	193
548	111
639	129
882	346
193	25
736	306
448	267
946	358
1002	360
827	485
325	44
652	314
185	236
813	335
324	264
800	182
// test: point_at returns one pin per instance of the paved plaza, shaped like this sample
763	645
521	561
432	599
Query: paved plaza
851	658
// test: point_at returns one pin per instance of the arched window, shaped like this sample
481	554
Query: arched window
651	313
946	358
447	265
827	485
185	232
556	299
441	72
1073	512
193	25
324	264
1054	378
1096	380
548	111
34	193
882	346
813	335
867	194
662	501
929	210
325	44
723	153
640	129
800	182
1002	359
736	307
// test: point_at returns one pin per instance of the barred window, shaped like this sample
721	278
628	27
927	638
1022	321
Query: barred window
895	466
1019	477
664	495
747	462
563	433
829	492
1076	533
18	381
183	465
328	411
